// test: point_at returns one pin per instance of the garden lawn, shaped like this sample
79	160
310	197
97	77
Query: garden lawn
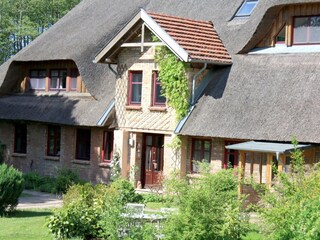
25	224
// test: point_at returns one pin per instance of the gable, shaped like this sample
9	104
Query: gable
190	40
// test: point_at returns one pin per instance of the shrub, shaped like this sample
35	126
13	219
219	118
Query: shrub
91	212
126	190
65	178
292	209
11	187
152	197
32	180
209	208
81	213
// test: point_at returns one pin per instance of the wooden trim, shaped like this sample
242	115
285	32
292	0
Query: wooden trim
146	44
242	162
269	170
282	162
260	167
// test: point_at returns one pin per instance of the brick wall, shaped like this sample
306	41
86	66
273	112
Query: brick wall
36	158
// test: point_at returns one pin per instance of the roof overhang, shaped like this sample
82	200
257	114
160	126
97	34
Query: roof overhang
154	28
107	113
268	147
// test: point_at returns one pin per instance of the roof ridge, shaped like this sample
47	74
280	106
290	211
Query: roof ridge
201	22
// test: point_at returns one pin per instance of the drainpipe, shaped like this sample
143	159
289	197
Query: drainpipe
194	82
112	70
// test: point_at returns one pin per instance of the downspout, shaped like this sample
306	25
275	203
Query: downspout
112	70
194	82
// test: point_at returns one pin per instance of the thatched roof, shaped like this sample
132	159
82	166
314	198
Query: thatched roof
261	97
85	30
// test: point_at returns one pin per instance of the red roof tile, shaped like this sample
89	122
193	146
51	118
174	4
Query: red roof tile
198	38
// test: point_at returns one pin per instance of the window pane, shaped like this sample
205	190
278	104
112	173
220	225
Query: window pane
197	156
108	145
37	79
34	73
136	77
42	83
20	138
159	99
136	93
83	144
197	144
206	156
207	145
148	158
300	30
54	82
63	82
247	8
33	83
54	73
314	30
73	83
42	74
54	134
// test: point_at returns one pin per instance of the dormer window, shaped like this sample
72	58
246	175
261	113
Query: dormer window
246	8
37	79
306	30
58	79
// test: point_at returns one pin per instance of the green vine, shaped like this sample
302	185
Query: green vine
174	81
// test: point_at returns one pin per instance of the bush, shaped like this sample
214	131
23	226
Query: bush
11	187
209	208
81	213
126	191
156	198
91	212
65	178
292	209
32	180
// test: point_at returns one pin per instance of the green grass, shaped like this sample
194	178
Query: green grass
25	224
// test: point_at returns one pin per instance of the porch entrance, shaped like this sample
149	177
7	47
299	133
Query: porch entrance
152	159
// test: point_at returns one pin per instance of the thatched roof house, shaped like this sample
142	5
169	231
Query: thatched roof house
81	34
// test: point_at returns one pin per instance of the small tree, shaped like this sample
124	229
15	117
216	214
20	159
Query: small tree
292	209
11	187
209	208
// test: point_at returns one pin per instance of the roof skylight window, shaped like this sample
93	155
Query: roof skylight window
247	8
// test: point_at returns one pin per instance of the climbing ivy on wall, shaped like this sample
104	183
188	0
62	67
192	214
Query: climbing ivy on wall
174	81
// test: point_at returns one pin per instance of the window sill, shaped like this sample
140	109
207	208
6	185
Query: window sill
158	108
132	107
81	162
22	155
52	158
105	165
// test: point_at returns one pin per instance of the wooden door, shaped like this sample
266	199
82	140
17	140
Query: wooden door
152	162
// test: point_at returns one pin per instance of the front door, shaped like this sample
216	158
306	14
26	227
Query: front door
152	162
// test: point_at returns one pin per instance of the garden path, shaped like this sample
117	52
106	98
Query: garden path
34	199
